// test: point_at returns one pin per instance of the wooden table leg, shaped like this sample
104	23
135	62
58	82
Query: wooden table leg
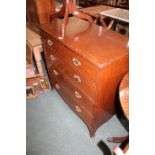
37	56
108	27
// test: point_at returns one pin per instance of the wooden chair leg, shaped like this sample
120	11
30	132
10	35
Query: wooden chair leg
59	13
83	16
107	27
65	21
110	25
69	8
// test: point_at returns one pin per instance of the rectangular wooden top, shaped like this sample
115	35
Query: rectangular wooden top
33	38
95	10
93	42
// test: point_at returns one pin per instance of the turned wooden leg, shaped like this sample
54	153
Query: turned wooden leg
103	23
65	21
107	27
69	8
37	56
110	24
77	13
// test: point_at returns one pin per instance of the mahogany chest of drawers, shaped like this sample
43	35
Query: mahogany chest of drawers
85	67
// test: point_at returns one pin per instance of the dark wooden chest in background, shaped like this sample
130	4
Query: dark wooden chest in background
39	11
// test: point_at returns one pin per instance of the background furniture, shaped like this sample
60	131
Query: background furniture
45	8
85	67
39	12
119	17
31	13
105	21
94	12
124	101
35	79
114	3
117	13
124	94
67	9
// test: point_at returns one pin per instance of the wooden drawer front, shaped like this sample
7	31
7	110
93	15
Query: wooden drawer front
50	56
72	58
78	109
75	93
79	97
85	85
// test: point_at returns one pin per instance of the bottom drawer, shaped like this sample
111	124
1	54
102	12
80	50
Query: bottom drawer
79	110
77	96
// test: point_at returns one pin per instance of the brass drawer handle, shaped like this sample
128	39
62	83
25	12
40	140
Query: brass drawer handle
57	86
52	57
77	78
50	43
77	95
76	62
55	72
78	109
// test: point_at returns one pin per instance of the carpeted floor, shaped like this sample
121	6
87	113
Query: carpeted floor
52	128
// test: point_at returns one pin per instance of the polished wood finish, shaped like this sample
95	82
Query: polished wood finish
39	11
124	94
97	56
95	10
84	114
69	8
124	101
31	13
45	8
73	58
114	3
55	64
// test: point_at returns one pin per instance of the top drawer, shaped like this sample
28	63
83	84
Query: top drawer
72	58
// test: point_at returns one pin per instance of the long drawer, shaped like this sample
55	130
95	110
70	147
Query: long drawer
57	67
78	109
76	61
74	93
